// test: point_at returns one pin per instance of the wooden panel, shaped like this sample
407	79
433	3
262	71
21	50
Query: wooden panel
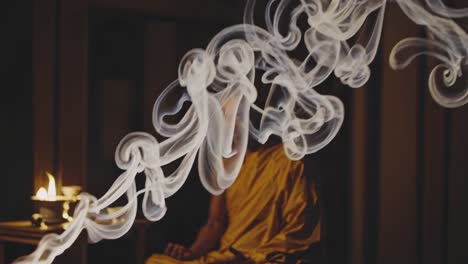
331	167
160	65
16	112
457	177
114	114
457	188
73	92
364	142
117	102
435	157
358	172
44	90
398	212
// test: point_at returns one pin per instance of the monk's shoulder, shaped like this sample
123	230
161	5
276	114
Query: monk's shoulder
275	157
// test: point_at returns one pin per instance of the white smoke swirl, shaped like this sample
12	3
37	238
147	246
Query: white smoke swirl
219	84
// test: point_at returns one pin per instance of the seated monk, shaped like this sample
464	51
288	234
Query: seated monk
269	211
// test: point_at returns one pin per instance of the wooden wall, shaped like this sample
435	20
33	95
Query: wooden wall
16	110
407	189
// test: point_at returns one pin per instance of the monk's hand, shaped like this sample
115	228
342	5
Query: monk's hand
178	252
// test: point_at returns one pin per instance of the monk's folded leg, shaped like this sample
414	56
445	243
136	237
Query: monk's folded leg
221	256
161	259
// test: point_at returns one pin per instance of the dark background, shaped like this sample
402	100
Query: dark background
79	75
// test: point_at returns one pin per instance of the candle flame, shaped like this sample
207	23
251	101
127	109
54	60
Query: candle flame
41	193
50	193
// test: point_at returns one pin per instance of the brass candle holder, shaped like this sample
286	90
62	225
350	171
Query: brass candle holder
52	208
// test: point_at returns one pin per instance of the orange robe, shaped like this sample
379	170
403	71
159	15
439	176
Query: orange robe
270	208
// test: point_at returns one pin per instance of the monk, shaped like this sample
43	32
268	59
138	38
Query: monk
269	211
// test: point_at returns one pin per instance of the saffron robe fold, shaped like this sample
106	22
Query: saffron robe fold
271	207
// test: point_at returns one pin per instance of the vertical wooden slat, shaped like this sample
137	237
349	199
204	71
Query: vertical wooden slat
160	64
457	229
44	90
73	92
117	103
457	179
358	172
434	178
363	158
398	201
114	116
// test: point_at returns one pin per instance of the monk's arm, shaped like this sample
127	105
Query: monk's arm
211	232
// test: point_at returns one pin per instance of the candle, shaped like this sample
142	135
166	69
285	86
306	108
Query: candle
54	208
51	193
